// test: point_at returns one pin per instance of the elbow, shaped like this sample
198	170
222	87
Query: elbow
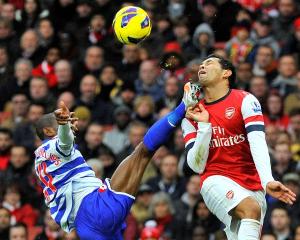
192	164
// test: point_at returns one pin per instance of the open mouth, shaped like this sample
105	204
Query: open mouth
202	72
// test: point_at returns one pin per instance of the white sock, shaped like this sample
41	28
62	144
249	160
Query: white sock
249	230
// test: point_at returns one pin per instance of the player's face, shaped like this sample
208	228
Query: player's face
210	72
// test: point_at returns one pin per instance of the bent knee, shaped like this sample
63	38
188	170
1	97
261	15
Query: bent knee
248	208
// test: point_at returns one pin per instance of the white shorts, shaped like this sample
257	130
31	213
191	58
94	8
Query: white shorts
221	195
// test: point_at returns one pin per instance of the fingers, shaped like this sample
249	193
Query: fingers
201	107
63	106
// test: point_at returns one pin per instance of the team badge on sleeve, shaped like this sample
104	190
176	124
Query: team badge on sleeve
256	107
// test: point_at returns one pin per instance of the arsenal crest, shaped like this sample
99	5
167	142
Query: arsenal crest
229	112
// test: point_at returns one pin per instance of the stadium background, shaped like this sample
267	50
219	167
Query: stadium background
53	50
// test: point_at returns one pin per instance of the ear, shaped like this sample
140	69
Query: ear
48	131
227	73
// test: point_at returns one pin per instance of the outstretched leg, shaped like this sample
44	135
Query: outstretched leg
128	175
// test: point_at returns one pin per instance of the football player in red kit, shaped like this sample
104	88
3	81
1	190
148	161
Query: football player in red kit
225	139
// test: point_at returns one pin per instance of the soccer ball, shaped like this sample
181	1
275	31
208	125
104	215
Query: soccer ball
131	25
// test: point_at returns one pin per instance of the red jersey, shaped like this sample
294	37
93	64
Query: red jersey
232	118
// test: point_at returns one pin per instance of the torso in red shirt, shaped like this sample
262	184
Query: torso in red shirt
229	153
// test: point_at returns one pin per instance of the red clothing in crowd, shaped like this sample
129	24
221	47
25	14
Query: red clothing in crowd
47	71
4	162
281	122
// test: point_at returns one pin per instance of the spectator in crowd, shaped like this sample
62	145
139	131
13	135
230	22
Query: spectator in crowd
203	40
110	83
274	112
29	16
93	141
7	37
243	75
20	81
89	88
199	233
47	36
183	37
259	88
8	12
109	161
185	205
272	133
29	47
169	181
283	161
129	65
117	138
262	34
292	181
240	45
144	109
148	82
64	78
79	26
18	231
201	216
292	43
265	64
286	81
5	68
24	133
51	229
136	133
5	219
293	99
46	68
280	222
40	93
140	209
162	212
20	212
84	117
92	63
294	131
283	23
6	142
18	170
17	113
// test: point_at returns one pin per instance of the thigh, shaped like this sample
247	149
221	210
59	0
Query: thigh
102	213
128	175
221	195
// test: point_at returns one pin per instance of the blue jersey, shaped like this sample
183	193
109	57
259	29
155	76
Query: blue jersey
66	179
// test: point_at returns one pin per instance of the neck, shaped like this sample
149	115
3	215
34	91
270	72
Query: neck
215	92
168	180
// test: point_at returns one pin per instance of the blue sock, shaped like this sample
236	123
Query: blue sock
159	133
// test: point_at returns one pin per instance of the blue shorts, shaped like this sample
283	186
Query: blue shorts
102	214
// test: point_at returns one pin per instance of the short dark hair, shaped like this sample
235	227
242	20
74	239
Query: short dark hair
6	131
294	112
226	65
47	120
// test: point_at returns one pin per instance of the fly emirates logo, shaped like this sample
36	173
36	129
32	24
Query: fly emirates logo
220	139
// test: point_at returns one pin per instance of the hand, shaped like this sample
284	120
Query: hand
197	113
62	114
74	122
278	190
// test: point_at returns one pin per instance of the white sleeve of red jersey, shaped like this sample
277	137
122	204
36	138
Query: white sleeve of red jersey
65	141
254	124
197	138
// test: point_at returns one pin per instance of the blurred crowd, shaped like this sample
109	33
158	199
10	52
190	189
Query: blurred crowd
52	50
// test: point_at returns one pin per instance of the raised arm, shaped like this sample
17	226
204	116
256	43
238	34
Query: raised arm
65	133
197	134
